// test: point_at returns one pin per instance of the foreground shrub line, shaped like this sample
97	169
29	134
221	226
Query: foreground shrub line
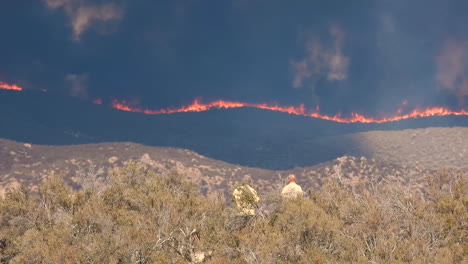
137	216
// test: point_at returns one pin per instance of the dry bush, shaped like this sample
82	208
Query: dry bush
141	217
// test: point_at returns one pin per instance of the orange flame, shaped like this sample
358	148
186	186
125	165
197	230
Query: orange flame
7	86
198	106
300	110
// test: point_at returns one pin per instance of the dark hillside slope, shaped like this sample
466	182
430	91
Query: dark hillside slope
247	136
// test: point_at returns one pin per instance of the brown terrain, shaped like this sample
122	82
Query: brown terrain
430	148
405	156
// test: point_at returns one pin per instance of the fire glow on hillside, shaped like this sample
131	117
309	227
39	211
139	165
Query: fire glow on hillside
198	106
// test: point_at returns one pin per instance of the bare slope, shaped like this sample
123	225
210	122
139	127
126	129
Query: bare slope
429	148
30	164
405	156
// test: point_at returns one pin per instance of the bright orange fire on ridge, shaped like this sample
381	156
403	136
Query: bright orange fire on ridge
300	110
7	86
198	106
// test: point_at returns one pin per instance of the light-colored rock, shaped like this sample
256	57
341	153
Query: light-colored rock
112	160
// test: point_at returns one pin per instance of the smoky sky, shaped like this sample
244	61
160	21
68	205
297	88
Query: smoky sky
366	56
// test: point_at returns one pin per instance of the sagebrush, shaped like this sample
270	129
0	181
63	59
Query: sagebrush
138	216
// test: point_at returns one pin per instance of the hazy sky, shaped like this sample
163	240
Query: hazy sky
345	55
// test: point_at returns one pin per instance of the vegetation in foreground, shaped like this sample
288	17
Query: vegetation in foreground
140	217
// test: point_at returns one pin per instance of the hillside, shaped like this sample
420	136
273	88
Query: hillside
247	136
30	164
428	148
405	156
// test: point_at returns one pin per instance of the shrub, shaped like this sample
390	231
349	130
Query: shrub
141	217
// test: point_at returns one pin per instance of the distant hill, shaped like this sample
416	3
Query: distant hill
427	148
249	137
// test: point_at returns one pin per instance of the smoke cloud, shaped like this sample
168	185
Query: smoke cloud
78	85
322	62
82	15
452	69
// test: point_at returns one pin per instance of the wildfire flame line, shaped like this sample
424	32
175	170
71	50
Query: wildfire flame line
198	106
7	86
300	110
